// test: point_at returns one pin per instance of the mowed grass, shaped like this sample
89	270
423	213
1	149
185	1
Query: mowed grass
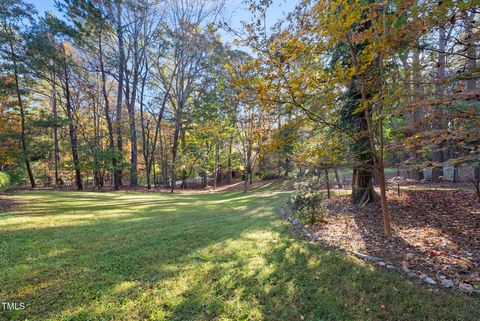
151	256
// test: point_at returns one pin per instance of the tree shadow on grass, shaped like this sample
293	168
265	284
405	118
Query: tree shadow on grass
301	281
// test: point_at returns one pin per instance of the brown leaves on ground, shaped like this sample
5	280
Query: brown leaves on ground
435	232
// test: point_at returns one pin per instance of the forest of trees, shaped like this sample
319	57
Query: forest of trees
120	93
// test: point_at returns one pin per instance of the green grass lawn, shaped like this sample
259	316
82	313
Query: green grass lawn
151	256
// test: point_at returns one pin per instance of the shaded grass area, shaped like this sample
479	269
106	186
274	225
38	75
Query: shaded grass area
134	256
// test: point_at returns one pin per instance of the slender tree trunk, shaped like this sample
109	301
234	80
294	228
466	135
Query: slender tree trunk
23	139
377	162
121	72
411	119
229	162
133	149
133	130
215	169
107	114
72	131
245	182
96	145
418	114
327	179
437	155
147	158
154	172
55	130
174	156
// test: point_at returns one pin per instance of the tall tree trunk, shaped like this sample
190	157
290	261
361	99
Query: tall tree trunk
412	172
23	139
96	146
55	130
131	101
418	113
470	51
107	114
437	154
133	142
71	129
121	71
145	145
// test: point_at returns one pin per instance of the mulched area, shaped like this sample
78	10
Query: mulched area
436	232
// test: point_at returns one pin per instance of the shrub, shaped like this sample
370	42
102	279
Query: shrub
309	206
5	181
308	202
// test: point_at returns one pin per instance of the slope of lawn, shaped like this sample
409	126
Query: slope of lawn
152	256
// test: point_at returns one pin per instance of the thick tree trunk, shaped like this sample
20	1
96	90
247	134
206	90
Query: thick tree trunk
362	186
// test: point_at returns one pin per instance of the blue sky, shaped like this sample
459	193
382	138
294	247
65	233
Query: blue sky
236	10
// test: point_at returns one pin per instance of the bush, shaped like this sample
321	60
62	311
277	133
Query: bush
308	202
268	176
309	206
5	181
